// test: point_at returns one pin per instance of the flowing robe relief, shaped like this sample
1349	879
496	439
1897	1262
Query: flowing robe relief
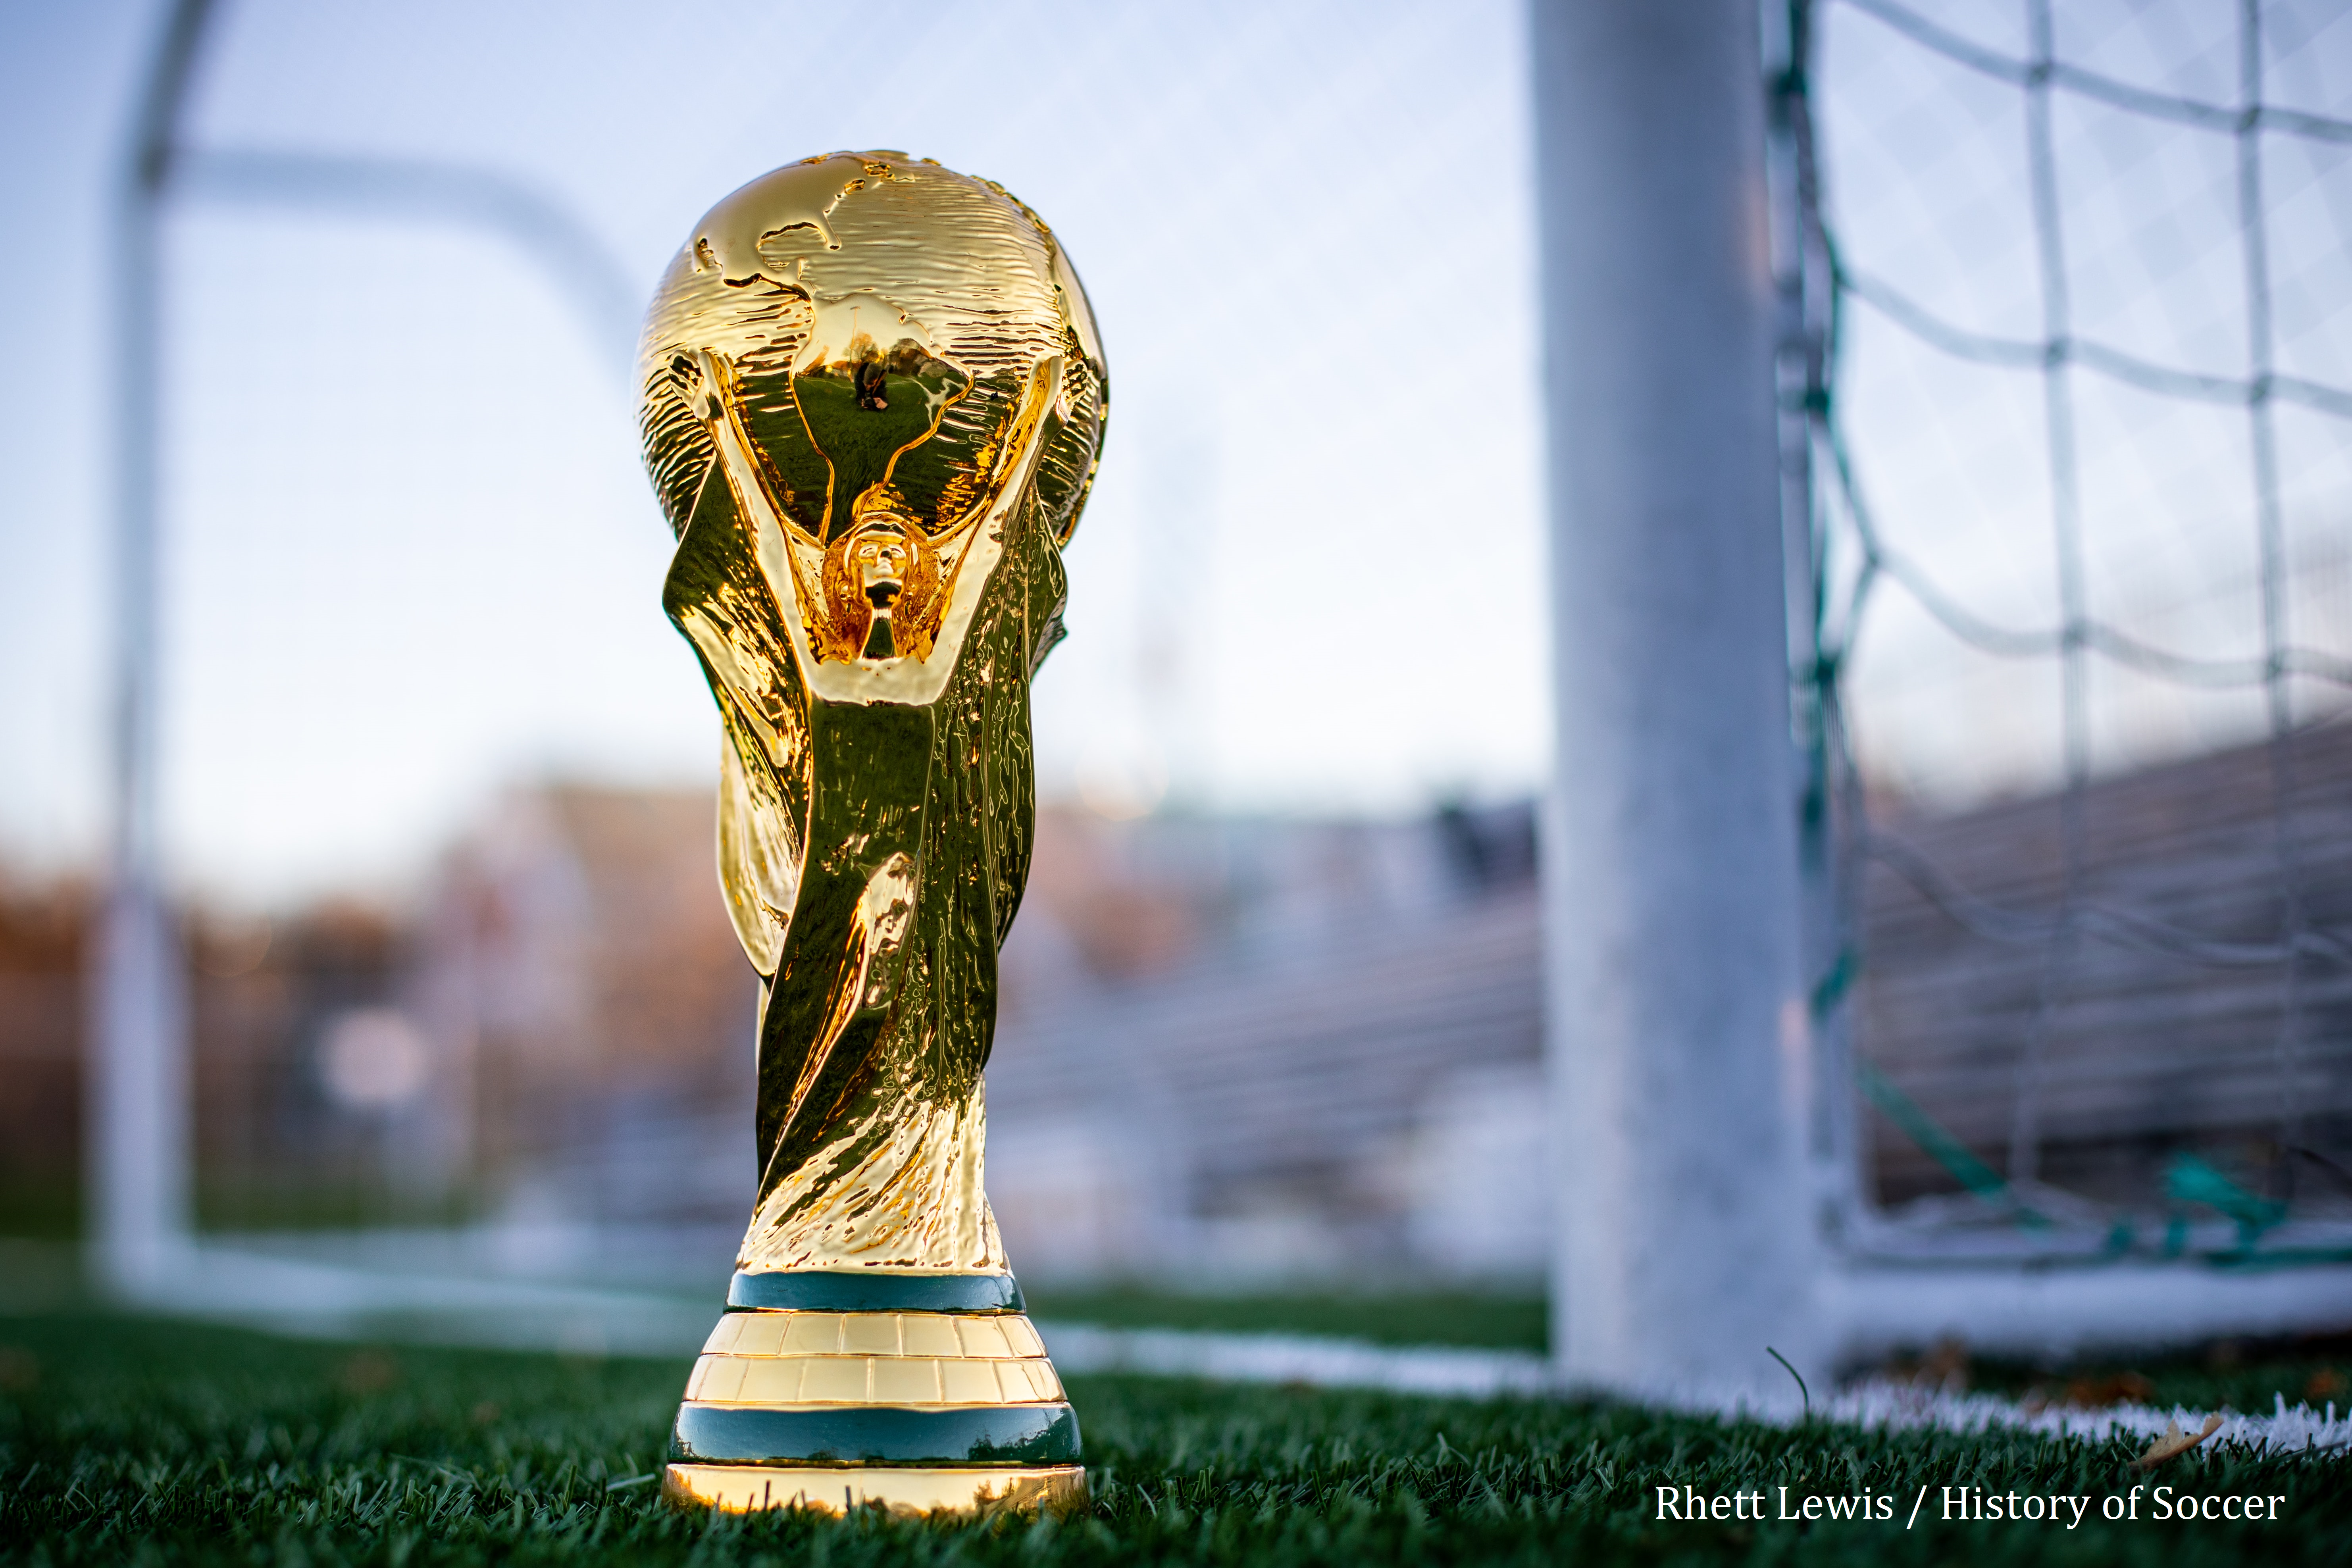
877	1013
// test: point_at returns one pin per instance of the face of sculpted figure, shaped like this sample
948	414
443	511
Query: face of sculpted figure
873	402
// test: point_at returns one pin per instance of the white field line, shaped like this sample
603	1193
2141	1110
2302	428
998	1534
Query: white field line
338	1302
1441	1370
1897	1406
1308	1359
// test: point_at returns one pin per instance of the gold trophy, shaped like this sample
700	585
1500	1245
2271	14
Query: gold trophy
873	401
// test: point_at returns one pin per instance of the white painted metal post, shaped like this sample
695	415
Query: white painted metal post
1676	1030
138	1112
137	1071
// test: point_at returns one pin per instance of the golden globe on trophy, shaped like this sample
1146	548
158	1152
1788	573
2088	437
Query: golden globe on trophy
873	399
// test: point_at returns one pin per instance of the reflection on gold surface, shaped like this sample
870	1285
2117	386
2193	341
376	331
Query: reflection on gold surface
987	1335
743	1488
912	1359
873	398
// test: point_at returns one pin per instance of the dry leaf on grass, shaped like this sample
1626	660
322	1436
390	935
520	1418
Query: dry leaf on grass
2175	1443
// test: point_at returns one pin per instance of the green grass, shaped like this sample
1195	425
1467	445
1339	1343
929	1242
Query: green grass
40	1206
1452	1318
127	1441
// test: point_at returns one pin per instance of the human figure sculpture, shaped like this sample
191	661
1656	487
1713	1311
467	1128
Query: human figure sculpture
869	569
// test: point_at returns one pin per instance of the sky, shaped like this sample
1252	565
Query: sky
410	560
411	556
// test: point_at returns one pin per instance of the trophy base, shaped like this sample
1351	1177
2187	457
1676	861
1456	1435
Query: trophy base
747	1489
830	1391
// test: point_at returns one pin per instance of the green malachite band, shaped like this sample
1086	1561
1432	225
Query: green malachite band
876	1435
862	1291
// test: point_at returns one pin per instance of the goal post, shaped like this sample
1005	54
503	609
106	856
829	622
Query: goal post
1677	1033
